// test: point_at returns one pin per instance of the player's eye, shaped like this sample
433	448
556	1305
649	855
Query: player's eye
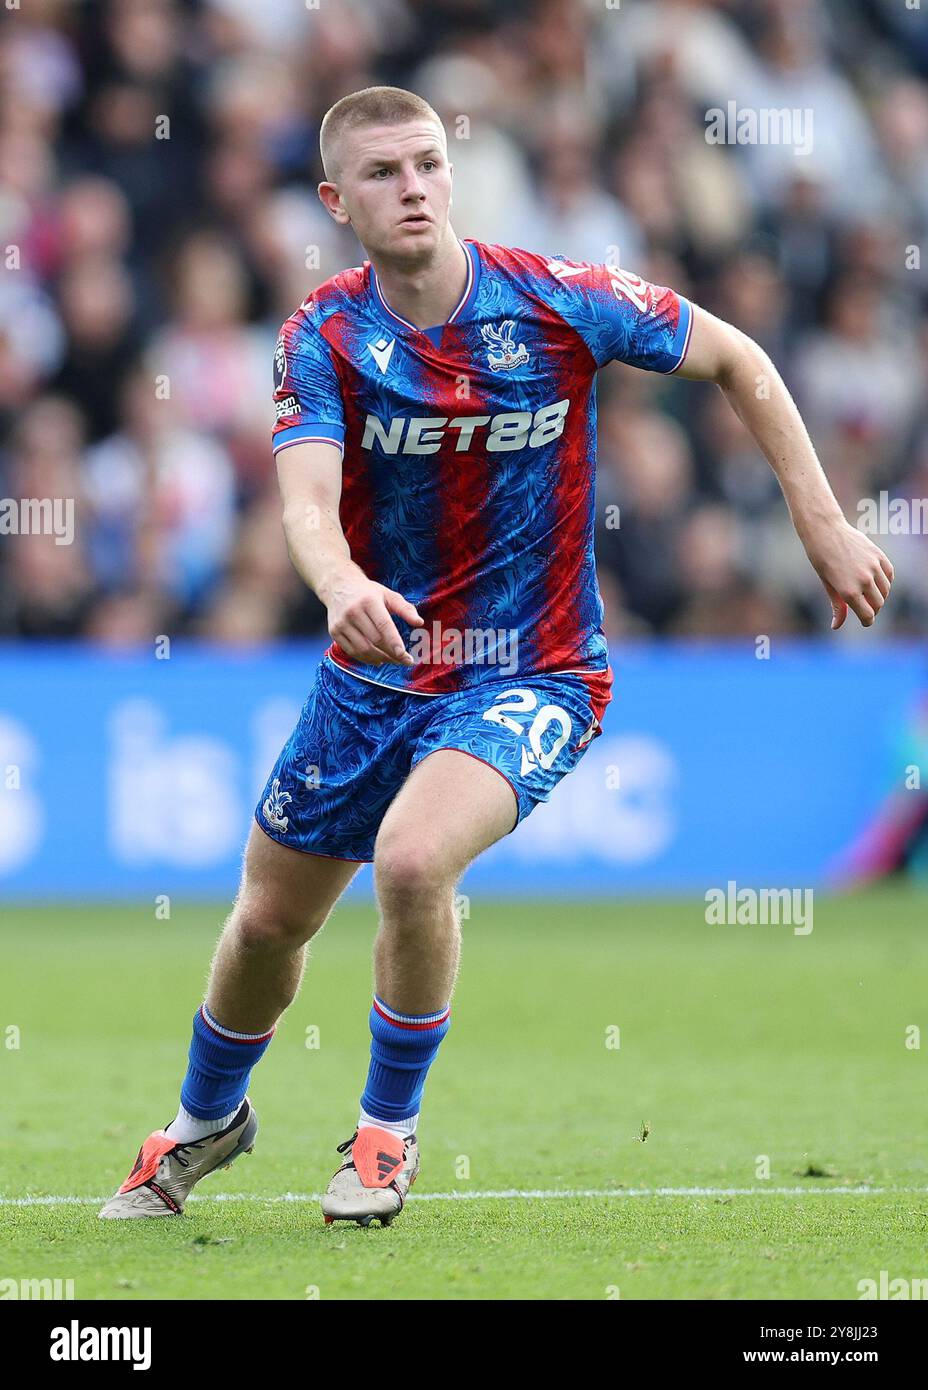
428	165
378	172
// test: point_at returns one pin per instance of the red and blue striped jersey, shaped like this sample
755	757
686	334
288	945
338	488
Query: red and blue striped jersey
469	451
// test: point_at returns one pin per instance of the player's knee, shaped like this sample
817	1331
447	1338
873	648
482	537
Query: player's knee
263	922
407	872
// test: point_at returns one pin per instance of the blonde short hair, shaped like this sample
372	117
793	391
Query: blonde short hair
371	106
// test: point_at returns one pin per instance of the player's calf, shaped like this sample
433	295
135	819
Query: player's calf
383	1155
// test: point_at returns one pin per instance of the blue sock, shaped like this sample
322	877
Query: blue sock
219	1067
403	1047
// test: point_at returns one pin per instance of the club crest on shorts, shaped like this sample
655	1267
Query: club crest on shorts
502	353
274	806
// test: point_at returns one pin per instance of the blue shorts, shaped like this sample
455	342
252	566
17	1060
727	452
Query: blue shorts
356	743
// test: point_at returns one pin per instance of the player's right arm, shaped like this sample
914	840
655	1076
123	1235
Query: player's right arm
359	609
309	435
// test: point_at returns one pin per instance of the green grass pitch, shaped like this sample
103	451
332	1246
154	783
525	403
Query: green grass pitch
735	1042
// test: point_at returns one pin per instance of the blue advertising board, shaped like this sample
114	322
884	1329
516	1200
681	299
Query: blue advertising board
128	776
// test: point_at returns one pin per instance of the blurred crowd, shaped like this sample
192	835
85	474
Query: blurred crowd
158	221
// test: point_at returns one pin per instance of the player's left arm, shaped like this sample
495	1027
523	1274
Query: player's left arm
855	572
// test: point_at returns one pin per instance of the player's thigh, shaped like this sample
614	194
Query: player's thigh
485	758
341	767
287	892
450	808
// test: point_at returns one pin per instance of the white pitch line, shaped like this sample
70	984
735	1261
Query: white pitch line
534	1194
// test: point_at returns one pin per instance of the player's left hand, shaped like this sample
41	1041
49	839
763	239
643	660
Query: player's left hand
855	572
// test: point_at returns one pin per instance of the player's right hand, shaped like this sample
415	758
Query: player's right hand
360	620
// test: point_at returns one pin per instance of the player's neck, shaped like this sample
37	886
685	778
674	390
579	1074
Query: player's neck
427	295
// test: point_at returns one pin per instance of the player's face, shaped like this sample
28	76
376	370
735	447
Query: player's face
394	187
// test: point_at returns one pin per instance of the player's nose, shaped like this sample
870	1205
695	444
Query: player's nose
412	188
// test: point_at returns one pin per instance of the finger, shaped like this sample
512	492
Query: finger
357	645
362	626
874	596
350	640
882	583
380	633
387	638
886	565
402	608
838	610
859	605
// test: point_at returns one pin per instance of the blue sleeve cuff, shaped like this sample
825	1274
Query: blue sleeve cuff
681	341
309	432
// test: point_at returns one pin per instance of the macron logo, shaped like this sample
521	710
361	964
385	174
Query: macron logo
560	271
381	352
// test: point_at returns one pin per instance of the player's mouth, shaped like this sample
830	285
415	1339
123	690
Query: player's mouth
416	219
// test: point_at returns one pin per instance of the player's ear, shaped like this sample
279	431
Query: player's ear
331	200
